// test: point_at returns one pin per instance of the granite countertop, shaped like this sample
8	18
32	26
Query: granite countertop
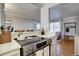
8	47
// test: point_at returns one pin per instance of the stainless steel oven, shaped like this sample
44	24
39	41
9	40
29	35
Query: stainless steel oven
30	49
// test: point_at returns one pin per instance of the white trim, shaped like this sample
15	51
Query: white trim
70	17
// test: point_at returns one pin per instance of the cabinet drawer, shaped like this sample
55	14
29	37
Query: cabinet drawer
13	53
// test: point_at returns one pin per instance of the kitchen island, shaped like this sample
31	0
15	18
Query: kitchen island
29	40
35	46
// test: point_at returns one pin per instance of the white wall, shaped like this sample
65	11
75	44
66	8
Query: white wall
22	23
2	15
45	16
45	19
77	27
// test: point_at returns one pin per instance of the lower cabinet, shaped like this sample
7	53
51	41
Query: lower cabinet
46	51
39	53
13	53
43	52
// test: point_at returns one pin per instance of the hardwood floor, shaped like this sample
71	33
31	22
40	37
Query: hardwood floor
65	48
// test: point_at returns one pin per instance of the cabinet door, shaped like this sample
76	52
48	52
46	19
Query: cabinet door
46	51
39	53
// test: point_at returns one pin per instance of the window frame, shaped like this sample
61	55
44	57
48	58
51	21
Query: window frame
55	27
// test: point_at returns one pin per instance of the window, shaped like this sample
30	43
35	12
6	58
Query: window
37	26
55	26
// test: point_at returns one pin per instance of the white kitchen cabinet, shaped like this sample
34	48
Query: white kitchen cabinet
52	52
39	53
13	53
43	52
46	51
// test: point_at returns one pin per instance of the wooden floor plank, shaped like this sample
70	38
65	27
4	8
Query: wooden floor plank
65	48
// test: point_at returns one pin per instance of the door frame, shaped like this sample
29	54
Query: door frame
70	23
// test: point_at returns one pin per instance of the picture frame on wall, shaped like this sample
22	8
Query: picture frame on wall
8	19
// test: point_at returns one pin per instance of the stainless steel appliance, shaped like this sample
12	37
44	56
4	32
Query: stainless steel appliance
30	46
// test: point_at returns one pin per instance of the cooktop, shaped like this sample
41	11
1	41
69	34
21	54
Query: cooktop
30	41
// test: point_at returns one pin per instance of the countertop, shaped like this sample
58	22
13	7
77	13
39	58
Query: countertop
31	41
12	46
8	47
49	35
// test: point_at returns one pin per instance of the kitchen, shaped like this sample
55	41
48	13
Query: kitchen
21	37
39	29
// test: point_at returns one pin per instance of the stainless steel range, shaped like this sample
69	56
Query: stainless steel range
30	46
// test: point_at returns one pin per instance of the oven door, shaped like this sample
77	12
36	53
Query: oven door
27	50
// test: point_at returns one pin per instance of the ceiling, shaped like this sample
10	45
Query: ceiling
26	10
64	10
32	10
